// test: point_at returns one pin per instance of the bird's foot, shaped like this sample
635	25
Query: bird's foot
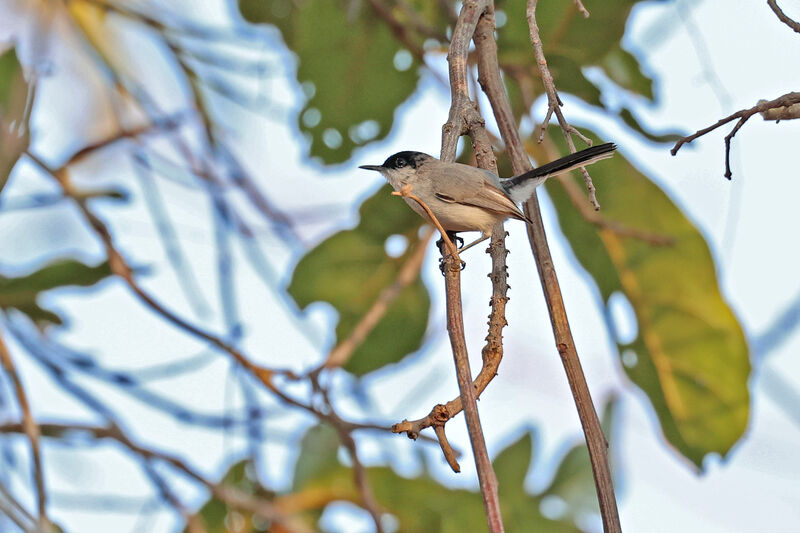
444	263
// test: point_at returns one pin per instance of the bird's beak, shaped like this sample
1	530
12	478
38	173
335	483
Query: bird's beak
372	167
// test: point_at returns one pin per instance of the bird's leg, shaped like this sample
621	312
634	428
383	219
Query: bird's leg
453	237
484	236
445	253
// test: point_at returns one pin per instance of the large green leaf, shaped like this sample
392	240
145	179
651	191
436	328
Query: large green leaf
318	455
571	44
347	65
350	269
573	482
21	293
14	112
690	355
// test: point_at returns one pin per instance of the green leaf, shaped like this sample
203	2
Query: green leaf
217	517
512	465
690	356
350	270
629	119
624	70
421	505
571	44
346	63
14	113
570	79
573	482
318	455
22	292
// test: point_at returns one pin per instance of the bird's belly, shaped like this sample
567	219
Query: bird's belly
459	217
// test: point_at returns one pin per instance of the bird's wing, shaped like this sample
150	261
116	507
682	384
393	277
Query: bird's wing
475	187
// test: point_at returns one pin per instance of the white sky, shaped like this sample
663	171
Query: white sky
747	222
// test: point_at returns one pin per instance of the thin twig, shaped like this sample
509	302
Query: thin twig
32	432
578	200
405	192
783	17
408	272
121	268
345	436
153	127
582	8
743	116
231	496
554	101
13	510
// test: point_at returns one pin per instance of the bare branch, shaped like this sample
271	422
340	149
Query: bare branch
154	127
405	192
32	432
344	430
464	117
121	268
783	17
554	101
582	9
231	496
763	106
564	342
781	113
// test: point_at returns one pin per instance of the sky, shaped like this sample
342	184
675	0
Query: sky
709	59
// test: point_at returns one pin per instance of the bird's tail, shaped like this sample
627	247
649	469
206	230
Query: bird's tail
521	187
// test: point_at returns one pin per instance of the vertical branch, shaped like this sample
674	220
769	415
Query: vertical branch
595	440
32	432
464	117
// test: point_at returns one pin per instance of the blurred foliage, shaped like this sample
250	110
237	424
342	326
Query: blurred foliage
573	44
351	268
22	293
218	518
15	100
690	354
352	69
421	504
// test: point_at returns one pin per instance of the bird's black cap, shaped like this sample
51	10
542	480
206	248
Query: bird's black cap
400	160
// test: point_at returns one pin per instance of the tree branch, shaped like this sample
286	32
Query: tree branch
566	346
783	17
464	116
554	102
121	268
231	496
763	106
32	432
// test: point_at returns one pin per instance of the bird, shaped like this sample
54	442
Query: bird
467	198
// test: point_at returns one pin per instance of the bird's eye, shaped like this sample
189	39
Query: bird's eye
400	163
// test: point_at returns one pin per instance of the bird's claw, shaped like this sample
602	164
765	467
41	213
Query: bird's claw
446	259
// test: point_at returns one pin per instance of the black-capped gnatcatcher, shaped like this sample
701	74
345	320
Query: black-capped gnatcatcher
466	198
